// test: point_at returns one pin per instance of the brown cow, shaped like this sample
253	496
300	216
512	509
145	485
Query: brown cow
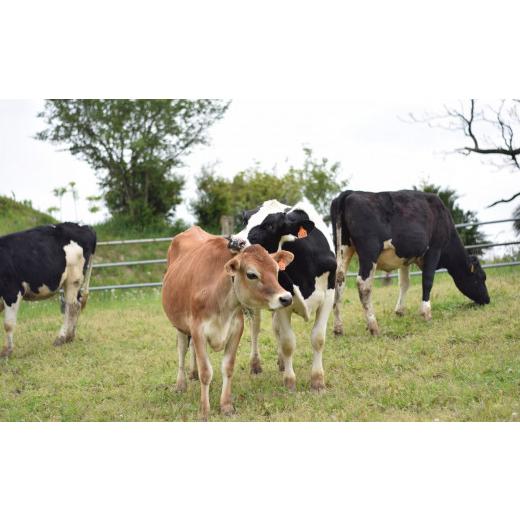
204	292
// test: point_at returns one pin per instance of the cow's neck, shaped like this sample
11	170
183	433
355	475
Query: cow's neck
225	294
454	256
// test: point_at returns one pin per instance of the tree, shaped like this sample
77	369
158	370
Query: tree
491	130
134	146
469	235
217	196
319	180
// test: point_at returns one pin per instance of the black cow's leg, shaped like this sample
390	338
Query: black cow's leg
72	310
404	284
430	263
10	313
286	344
345	254
254	362
367	270
319	331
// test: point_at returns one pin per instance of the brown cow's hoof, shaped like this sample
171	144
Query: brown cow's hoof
181	386
256	367
338	330
227	409
290	383
194	376
399	312
317	381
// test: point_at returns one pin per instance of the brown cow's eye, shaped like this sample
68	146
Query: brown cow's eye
252	276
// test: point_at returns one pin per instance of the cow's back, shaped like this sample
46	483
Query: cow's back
37	256
413	220
195	260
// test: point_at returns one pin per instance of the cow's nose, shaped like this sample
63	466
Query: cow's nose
286	300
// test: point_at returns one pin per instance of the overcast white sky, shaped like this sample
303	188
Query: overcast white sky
376	149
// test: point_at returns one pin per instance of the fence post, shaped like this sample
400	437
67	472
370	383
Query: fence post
227	225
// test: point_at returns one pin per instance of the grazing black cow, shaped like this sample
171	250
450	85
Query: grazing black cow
309	278
391	230
35	264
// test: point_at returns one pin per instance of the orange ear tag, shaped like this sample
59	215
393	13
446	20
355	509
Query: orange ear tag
281	265
302	232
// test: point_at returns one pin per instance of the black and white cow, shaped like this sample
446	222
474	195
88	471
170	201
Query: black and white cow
309	278
392	230
37	263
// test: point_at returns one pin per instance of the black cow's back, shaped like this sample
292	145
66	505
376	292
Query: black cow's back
37	256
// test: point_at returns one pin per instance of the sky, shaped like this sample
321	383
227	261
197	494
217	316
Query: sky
376	148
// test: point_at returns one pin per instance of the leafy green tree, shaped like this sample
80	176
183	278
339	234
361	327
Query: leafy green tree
217	196
469	235
320	181
133	145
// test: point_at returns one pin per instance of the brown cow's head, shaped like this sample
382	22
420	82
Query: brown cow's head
255	278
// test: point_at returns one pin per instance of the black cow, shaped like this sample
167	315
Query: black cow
391	230
309	278
37	263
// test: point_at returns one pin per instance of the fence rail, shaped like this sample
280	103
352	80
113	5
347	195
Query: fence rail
130	263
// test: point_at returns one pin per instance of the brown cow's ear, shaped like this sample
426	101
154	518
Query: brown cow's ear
282	258
232	267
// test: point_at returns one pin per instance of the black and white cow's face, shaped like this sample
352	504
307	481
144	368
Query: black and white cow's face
472	283
279	227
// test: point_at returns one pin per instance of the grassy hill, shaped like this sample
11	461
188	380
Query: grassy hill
15	216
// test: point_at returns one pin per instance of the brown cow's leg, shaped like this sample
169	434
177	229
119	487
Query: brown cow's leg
205	369
255	364
228	364
194	373
182	348
9	325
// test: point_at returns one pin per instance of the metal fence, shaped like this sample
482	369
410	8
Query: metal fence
350	274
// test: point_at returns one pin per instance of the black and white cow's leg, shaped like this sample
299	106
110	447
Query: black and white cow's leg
182	347
319	331
430	263
255	364
404	284
72	311
345	255
10	313
367	271
194	371
286	345
74	277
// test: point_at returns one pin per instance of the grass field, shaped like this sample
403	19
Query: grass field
464	365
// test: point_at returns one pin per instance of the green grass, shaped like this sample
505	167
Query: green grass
16	216
462	366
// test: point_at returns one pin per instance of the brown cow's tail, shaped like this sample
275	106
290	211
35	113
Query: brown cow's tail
86	282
